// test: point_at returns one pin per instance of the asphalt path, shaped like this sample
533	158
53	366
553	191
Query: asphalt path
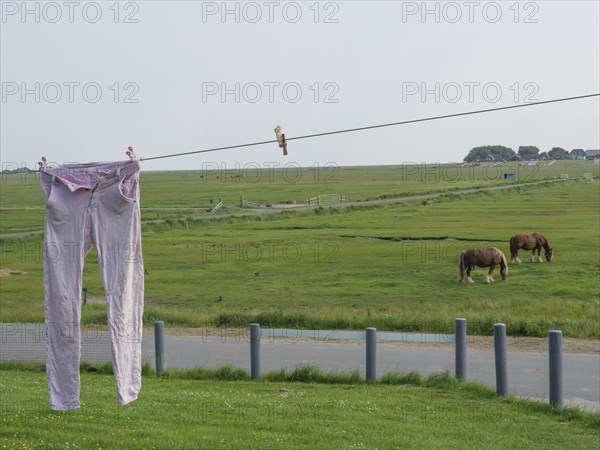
528	374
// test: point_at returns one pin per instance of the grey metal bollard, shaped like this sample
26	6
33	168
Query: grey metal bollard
255	351
371	354
500	358
460	357
555	366
159	346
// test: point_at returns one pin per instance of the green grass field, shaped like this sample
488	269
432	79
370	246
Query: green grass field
325	268
342	267
177	194
176	412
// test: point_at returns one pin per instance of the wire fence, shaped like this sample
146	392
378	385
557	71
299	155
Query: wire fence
26	342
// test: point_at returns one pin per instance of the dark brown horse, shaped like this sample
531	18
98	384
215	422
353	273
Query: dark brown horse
490	257
531	242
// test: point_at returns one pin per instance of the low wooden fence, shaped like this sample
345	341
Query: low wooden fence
217	206
326	199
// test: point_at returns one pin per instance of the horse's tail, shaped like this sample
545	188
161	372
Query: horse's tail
513	248
461	266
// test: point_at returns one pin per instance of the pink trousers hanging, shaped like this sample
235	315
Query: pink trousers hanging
89	204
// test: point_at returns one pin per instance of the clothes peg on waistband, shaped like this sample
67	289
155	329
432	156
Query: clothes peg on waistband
281	140
131	154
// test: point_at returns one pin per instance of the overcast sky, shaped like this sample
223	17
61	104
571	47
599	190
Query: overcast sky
82	81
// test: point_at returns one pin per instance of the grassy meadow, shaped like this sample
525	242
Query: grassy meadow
389	266
188	193
198	409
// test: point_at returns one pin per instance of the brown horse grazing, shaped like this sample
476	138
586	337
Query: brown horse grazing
531	242
489	257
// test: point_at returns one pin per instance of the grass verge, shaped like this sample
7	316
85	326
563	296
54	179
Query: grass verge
304	408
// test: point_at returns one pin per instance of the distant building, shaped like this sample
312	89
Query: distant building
19	170
592	154
515	157
494	157
543	156
577	153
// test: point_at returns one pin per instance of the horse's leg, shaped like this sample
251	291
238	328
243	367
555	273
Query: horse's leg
532	258
469	279
489	278
539	249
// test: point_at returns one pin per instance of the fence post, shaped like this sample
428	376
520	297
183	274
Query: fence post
371	353
159	346
460	357
555	366
255	351
500	357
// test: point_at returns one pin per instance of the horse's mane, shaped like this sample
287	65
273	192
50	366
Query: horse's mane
546	244
544	240
502	257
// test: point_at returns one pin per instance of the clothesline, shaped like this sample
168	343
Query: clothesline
370	127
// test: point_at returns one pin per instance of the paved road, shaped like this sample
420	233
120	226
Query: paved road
527	372
339	205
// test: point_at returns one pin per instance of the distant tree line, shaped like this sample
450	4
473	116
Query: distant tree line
505	153
19	170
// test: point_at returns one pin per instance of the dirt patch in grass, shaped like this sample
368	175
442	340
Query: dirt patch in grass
9	272
95	299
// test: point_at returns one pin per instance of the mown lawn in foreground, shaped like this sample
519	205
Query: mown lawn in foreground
184	413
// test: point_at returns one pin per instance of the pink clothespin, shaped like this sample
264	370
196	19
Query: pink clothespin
131	154
43	163
281	140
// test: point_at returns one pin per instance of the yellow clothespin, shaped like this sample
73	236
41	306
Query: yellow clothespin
281	140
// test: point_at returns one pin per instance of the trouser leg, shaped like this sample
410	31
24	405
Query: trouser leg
64	241
118	239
